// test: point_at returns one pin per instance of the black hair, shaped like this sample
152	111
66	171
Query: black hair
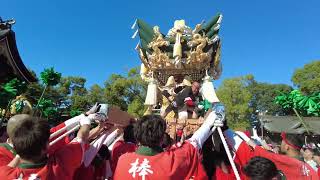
149	130
31	138
259	168
104	152
212	158
167	141
316	151
295	139
128	134
102	155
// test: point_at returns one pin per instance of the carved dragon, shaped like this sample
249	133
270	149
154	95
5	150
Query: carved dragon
159	58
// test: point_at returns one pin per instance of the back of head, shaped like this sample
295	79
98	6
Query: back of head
149	130
14	122
128	134
102	155
167	141
104	152
259	168
31	137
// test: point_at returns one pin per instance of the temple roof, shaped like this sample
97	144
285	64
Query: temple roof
11	64
290	124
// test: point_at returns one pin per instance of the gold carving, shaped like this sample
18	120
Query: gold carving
158	58
197	56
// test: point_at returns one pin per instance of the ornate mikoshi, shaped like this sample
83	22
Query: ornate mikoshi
21	105
183	51
182	56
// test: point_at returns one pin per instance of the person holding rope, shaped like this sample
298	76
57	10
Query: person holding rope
289	166
149	161
30	140
7	152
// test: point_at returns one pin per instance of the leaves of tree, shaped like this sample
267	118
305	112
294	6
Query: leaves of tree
307	79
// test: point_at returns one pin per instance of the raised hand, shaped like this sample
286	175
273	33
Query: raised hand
93	109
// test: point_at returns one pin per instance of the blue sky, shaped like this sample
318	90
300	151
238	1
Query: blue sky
268	39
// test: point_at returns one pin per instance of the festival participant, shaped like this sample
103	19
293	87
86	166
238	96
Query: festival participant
30	140
291	145
316	158
7	153
288	165
68	125
93	165
98	169
128	144
184	101
151	162
101	164
259	168
215	161
167	142
307	154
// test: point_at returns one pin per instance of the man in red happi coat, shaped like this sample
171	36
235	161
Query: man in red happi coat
149	161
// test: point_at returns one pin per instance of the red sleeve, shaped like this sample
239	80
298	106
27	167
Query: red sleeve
219	174
67	159
56	128
84	173
201	174
115	155
8	173
292	168
188	155
243	154
5	155
59	144
120	148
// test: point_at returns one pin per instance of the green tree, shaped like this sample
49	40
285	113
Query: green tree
127	92
96	94
234	94
263	95
72	88
307	79
70	94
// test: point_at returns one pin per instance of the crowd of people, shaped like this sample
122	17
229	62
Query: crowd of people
143	150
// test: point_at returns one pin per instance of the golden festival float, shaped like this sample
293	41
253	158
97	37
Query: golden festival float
173	61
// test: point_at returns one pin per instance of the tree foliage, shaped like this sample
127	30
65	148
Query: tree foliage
307	79
263	95
75	93
10	90
233	93
127	92
50	77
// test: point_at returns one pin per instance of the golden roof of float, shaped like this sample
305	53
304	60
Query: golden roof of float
183	51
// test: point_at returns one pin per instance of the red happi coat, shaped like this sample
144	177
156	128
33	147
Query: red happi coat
84	173
291	168
120	148
7	153
59	166
178	163
61	142
220	174
91	172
